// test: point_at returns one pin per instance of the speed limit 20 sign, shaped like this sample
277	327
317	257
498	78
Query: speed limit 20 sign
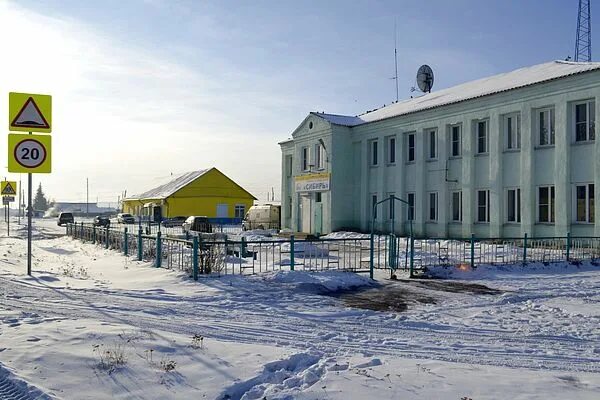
29	153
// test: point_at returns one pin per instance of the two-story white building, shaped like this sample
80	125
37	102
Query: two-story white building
502	156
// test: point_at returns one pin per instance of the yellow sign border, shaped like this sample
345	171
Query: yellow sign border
16	102
13	166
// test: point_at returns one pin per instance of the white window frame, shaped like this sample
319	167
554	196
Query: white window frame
432	207
511	124
516	205
451	141
589	208
236	208
551	217
374	152
305	157
432	144
590	133
460	206
486	136
408	147
411	209
319	159
486	206
391	152
549	116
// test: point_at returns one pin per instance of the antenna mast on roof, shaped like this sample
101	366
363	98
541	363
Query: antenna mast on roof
396	58
583	42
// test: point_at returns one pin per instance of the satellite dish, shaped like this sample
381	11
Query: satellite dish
425	78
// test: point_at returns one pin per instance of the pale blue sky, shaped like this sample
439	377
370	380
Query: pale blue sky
174	86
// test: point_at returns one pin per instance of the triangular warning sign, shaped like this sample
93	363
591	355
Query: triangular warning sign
8	190
30	116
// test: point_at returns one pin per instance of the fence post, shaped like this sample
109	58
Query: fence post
372	254
107	236
525	249
472	250
195	257
158	262
140	244
125	243
412	255
201	258
81	232
292	261
568	246
94	234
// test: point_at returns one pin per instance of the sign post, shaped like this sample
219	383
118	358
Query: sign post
29	153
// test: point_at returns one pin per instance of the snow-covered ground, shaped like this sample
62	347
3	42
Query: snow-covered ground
91	324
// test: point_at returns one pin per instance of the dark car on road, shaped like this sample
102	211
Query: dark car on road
172	222
102	221
65	218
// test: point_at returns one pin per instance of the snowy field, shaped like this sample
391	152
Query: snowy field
91	324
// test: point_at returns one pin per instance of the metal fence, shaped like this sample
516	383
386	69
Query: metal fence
196	256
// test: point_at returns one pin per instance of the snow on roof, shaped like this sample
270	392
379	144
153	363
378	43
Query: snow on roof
175	183
482	87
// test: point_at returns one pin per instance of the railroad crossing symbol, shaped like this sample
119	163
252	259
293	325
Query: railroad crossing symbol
8	188
29	153
29	112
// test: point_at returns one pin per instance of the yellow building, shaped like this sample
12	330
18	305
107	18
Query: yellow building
207	193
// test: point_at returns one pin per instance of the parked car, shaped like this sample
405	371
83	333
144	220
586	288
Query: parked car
125	218
101	221
262	217
65	218
197	224
175	221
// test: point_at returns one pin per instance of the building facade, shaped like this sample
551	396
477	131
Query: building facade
206	192
502	156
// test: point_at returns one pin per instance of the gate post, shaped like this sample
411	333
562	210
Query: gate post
158	261
81	233
125	243
472	250
525	249
94	234
292	252
412	256
140	244
371	254
195	257
107	237
568	246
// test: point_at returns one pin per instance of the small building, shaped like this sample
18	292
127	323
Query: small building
206	192
503	156
79	209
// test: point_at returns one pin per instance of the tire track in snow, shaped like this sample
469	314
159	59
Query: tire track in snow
16	389
333	333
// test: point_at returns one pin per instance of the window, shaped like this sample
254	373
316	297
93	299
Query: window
457	206
319	156
288	166
483	206
432	144
391	206
305	159
545	128
411	206
513	205
584	203
546	204
391	150
410	156
318	197
374	153
239	211
512	131
585	120
373	205
433	206
455	142
482	137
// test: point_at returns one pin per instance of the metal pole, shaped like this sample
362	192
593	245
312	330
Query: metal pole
29	215
87	198
19	203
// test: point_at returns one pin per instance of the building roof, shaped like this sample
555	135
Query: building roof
471	90
167	189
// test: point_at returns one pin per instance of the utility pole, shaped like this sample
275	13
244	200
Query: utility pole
87	197
583	41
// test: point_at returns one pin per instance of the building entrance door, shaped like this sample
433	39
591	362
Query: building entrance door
318	224
306	210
